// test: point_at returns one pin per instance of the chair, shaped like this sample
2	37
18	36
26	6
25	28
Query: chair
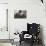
33	30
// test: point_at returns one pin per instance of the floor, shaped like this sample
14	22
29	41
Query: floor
22	44
5	44
26	44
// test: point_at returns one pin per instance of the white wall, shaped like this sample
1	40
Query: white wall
3	1
3	20
35	13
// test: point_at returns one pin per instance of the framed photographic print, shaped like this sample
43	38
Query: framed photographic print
20	14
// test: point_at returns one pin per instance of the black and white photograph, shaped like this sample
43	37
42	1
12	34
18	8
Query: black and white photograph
22	22
20	14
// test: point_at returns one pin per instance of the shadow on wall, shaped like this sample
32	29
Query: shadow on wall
41	34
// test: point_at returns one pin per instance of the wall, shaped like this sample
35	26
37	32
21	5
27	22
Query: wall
3	20
35	13
3	1
3	34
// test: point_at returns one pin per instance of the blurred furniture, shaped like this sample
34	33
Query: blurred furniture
33	30
16	39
